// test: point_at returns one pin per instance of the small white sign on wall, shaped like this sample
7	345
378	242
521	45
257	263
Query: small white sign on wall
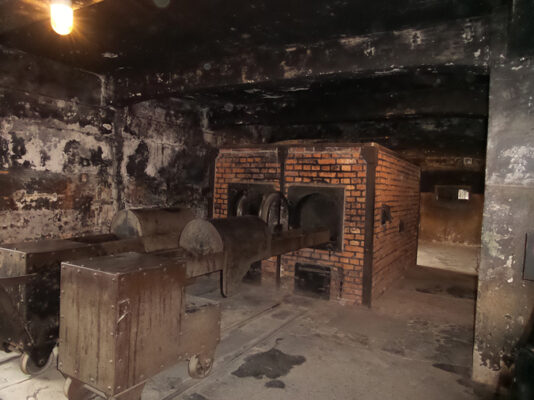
463	194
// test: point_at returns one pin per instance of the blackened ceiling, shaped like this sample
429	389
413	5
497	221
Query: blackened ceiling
445	91
112	35
440	109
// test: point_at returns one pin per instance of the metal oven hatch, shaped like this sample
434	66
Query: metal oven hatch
312	280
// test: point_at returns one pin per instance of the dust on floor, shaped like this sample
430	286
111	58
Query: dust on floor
415	343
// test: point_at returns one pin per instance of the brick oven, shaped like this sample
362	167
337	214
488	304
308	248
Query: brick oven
364	193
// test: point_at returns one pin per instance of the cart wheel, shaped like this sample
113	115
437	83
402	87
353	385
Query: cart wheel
29	367
75	390
199	367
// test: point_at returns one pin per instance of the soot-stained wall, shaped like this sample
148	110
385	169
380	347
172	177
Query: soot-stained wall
163	156
69	162
166	155
55	150
505	302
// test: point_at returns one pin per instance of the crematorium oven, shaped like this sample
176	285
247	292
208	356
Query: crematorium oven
342	187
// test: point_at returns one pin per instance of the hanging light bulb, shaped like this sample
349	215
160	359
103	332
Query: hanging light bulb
61	16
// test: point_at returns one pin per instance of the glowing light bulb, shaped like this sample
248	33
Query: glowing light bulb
61	16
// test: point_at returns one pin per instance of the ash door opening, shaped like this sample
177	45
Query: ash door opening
312	280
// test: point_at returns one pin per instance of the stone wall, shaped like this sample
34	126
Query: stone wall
163	158
395	235
56	150
69	161
505	302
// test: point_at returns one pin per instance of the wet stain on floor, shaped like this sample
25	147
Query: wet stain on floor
278	384
272	364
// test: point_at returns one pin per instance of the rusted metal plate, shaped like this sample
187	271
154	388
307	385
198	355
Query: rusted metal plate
12	326
201	327
29	257
242	239
197	266
87	322
12	265
293	240
13	256
150	221
237	242
43	245
201	237
148	340
159	242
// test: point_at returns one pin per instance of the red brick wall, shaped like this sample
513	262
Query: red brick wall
243	165
397	185
343	167
252	165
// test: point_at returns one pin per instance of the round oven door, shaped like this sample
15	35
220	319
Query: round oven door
274	210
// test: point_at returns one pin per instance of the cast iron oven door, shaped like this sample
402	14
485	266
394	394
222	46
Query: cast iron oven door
246	198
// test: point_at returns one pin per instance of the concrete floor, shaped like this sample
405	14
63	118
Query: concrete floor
415	343
451	257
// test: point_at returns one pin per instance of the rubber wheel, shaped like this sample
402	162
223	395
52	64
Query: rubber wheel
29	367
199	367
